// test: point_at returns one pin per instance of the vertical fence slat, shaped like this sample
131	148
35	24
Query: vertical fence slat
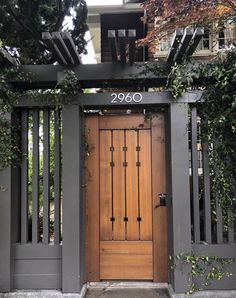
57	176
35	182
231	225
194	161
219	224
207	202
24	176
46	175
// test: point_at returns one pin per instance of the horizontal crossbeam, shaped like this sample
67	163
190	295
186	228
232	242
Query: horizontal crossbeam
104	100
92	75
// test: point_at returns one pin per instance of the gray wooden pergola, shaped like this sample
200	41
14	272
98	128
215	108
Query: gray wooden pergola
119	74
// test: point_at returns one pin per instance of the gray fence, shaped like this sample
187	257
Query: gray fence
208	224
212	233
37	251
33	216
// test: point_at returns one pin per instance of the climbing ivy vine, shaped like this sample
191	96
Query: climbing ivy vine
10	127
218	111
210	268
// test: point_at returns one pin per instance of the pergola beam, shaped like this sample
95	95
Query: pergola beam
71	47
181	52
197	36
62	47
174	45
113	45
92	75
132	38
122	42
10	60
47	39
56	37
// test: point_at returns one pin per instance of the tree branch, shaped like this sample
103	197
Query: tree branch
229	4
61	15
18	20
25	27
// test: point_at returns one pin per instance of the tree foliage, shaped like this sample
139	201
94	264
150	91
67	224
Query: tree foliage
23	21
218	110
167	15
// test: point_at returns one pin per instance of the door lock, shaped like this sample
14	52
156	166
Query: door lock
163	197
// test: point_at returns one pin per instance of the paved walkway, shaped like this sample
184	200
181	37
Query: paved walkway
126	293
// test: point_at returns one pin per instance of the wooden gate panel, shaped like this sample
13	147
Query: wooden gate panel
118	186
132	174
105	185
145	196
132	207
126	260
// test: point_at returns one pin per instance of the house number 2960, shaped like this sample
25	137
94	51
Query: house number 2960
127	98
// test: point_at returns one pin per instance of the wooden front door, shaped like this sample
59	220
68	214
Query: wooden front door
127	234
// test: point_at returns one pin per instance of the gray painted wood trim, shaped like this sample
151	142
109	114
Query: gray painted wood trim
35	182
219	222
231	226
57	177
91	75
5	230
180	197
24	175
227	283
37	281
36	251
207	199
220	250
16	190
71	267
194	160
96	100
46	175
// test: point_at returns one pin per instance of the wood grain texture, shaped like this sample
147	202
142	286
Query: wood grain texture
137	257
105	186
118	186
160	245
145	190
124	122
132	186
126	260
92	199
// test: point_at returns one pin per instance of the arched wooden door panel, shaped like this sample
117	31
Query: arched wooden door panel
126	233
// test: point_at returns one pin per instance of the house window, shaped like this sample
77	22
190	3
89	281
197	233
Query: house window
227	37
204	43
165	44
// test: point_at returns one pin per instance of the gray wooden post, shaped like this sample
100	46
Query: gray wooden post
5	230
72	269
180	194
